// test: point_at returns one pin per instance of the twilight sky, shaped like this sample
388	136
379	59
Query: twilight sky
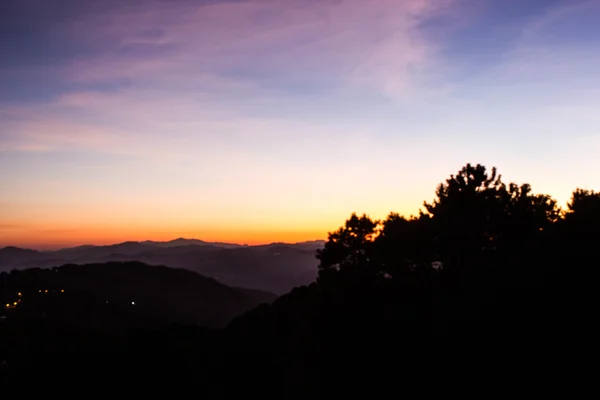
272	120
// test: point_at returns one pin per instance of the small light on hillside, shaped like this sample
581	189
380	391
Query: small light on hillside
46	291
19	294
15	303
40	291
133	303
62	290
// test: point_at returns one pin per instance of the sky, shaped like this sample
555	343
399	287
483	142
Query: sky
269	120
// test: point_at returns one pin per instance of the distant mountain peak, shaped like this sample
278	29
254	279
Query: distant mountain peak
18	249
176	242
186	240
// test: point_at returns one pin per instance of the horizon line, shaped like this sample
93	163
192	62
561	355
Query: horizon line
59	247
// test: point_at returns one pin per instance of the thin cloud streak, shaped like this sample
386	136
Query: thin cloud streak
376	43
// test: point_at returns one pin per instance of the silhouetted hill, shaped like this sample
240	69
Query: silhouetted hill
10	255
14	257
138	292
190	242
276	267
127	248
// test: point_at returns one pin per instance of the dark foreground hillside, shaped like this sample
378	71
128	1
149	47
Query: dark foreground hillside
116	296
491	290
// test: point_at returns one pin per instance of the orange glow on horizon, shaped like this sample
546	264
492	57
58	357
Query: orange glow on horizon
103	229
90	225
102	237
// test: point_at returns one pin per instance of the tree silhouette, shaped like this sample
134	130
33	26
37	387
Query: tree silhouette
467	215
580	233
583	214
350	248
405	244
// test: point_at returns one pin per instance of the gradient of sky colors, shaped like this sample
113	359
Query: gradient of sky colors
272	120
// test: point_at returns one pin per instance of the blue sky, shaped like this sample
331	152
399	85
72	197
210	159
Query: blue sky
266	120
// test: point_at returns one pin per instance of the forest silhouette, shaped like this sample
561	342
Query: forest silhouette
489	278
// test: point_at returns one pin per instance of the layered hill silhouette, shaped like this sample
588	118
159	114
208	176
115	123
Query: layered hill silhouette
276	267
115	296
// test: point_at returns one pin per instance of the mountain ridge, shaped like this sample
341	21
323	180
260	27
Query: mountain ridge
178	242
276	267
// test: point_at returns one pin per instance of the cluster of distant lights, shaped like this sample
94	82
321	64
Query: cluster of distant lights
20	296
44	291
14	304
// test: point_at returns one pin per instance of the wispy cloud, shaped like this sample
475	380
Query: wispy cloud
213	68
374	43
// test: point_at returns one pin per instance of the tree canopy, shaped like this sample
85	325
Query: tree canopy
473	219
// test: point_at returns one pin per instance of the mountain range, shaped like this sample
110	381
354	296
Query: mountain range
275	267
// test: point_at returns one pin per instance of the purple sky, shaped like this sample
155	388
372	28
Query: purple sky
266	120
